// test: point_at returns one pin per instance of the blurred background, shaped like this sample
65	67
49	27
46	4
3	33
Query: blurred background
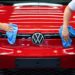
49	1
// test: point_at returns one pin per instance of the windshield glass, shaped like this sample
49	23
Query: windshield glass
10	2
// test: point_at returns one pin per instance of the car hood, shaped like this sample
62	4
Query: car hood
30	19
34	18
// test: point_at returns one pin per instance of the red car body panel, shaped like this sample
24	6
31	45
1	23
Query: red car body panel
31	19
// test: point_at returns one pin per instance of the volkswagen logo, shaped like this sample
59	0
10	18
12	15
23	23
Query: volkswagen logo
37	38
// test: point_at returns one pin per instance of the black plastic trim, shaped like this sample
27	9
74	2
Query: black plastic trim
37	63
28	36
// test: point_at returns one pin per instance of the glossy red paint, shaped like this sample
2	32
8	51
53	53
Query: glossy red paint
31	19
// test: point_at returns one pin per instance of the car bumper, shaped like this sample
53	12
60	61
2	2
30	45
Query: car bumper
12	62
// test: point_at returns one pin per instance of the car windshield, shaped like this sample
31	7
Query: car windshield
11	2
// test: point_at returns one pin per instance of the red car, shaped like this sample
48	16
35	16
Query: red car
38	44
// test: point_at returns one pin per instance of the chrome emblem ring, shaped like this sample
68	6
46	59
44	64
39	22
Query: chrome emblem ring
37	38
